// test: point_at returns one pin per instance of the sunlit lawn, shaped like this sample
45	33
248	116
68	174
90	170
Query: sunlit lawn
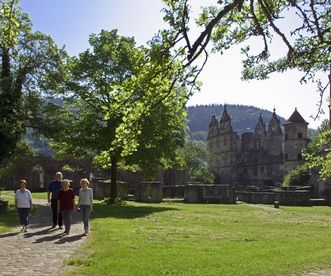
196	239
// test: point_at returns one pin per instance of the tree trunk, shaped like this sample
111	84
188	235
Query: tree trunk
330	99
113	178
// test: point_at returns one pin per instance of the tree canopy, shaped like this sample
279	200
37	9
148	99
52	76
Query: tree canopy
122	106
31	64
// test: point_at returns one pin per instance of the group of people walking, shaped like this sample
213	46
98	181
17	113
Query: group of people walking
62	200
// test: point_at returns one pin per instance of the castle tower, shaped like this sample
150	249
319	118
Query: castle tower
212	144
295	139
261	133
225	122
275	135
228	140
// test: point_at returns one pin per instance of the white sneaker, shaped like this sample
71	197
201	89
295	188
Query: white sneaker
22	229
25	228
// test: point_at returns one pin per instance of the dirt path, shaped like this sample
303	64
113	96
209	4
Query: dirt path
42	250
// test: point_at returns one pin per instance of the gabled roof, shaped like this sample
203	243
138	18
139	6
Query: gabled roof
296	118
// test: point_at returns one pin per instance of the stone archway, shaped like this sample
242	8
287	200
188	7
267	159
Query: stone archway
38	177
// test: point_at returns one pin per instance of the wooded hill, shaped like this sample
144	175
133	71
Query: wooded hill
244	118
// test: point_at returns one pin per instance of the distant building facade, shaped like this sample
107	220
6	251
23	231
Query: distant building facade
259	157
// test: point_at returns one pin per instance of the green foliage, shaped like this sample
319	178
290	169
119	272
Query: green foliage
318	153
300	28
10	164
298	176
115	201
196	156
31	66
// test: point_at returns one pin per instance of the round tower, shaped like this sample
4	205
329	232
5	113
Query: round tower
295	139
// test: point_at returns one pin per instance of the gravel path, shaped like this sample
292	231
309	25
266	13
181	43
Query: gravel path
42	250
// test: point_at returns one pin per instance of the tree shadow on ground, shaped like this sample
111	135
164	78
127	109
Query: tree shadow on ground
102	210
9	234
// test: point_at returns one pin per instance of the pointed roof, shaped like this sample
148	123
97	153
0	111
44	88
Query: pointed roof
260	125
296	118
213	121
225	116
274	120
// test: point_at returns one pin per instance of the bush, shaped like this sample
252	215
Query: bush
115	202
297	177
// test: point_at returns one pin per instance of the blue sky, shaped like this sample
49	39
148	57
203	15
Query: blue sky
70	22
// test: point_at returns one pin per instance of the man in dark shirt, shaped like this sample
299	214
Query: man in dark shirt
54	188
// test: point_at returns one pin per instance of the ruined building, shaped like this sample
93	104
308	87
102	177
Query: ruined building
260	157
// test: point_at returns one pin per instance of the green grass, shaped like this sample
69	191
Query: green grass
8	219
40	195
196	239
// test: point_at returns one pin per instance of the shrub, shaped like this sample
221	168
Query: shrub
298	176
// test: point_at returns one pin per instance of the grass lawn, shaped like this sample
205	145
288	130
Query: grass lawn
8	219
196	239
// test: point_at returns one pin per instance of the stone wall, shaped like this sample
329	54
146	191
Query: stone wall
40	171
208	193
172	191
102	189
150	191
296	198
256	197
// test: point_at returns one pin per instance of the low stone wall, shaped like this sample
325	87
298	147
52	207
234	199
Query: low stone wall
172	191
209	193
299	198
327	196
102	189
256	197
150	191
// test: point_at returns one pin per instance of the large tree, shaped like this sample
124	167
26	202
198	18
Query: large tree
30	66
122	106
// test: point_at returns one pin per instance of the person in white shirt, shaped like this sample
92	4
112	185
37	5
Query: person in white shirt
23	202
85	203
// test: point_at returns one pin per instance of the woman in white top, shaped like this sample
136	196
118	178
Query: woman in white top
23	202
85	203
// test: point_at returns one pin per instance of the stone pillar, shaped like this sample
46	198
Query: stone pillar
102	188
150	191
194	193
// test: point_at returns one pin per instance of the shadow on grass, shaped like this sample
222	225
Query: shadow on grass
102	210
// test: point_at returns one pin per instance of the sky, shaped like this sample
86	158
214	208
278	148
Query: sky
70	22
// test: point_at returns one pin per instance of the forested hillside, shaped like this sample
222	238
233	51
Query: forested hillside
244	118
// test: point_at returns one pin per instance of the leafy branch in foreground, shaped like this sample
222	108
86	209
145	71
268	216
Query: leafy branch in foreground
306	41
